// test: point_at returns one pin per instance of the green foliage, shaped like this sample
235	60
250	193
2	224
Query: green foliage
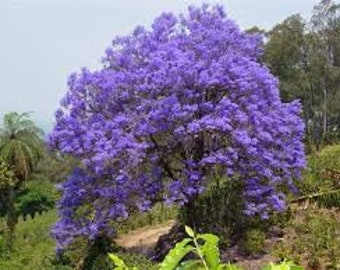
226	220
284	53
305	56
33	248
320	183
220	210
20	144
120	265
313	236
285	265
329	158
4	249
132	260
198	252
253	242
206	254
38	196
175	255
160	213
21	148
7	182
7	179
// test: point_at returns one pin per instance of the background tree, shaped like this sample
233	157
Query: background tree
285	55
325	26
305	57
21	148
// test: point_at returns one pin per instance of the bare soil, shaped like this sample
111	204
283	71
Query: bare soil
144	239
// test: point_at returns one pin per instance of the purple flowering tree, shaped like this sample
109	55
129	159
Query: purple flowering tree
172	108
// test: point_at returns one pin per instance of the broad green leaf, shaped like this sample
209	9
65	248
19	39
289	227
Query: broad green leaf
282	266
120	265
189	231
296	267
229	267
175	255
190	265
210	250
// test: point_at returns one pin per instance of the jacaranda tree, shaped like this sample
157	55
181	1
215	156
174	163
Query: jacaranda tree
172	108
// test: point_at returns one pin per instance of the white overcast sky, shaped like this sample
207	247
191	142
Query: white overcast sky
42	41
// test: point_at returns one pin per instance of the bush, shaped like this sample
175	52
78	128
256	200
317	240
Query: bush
313	236
218	210
253	242
322	172
4	247
131	260
37	197
33	247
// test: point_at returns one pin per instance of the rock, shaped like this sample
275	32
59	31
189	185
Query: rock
166	242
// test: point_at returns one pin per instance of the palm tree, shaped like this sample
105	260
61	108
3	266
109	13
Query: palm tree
21	148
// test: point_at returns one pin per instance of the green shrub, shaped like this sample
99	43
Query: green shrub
37	197
141	261
253	242
219	210
5	249
329	157
33	246
314	237
316	177
285	265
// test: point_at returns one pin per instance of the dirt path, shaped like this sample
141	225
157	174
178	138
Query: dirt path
143	239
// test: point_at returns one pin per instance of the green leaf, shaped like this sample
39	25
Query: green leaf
282	266
296	267
190	264
189	231
120	265
210	250
175	255
228	267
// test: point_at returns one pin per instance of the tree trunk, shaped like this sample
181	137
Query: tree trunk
11	216
324	90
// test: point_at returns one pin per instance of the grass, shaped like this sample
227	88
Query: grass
159	214
33	247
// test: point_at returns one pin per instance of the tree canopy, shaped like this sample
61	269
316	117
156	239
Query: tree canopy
20	144
305	56
173	108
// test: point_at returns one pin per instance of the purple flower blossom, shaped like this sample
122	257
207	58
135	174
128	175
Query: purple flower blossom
168	105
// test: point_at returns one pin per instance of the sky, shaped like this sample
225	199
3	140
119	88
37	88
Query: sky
43	41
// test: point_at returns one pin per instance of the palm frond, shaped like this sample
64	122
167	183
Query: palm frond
21	143
20	156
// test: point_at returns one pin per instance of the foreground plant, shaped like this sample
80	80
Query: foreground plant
172	109
204	248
